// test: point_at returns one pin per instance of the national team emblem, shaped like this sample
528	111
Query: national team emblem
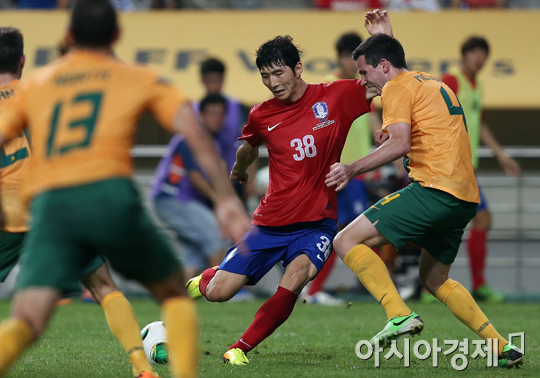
320	109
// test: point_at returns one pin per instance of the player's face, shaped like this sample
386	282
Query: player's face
371	77
213	117
474	60
282	81
348	66
213	81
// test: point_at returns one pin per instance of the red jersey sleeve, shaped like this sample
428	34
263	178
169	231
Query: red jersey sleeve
451	81
250	133
353	98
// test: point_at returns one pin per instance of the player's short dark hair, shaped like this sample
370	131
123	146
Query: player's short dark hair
280	51
212	65
381	46
475	42
93	23
11	50
212	99
347	43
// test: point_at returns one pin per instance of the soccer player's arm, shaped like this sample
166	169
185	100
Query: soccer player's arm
248	152
173	111
397	109
12	122
511	167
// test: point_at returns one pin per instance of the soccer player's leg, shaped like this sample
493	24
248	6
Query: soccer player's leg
118	312
449	219
49	264
388	221
32	310
298	246
148	258
434	276
246	262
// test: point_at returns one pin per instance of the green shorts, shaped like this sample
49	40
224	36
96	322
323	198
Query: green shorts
428	217
71	226
11	244
10	251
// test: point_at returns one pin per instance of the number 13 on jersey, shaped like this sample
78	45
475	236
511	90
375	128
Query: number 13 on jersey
87	123
305	147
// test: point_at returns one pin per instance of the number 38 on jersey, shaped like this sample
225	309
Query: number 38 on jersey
304	147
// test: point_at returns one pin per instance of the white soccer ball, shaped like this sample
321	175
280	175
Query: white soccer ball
154	337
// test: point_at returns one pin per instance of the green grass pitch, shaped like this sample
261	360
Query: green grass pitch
316	341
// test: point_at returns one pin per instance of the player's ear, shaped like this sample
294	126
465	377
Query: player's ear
117	33
22	62
385	65
298	69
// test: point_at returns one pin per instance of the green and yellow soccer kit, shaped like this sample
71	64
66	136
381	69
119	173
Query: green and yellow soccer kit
81	112
434	210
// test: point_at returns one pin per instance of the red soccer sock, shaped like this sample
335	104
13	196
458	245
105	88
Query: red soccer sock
270	316
476	247
207	276
318	283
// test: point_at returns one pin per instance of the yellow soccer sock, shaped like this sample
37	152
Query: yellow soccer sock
464	307
124	326
374	275
16	336
181	320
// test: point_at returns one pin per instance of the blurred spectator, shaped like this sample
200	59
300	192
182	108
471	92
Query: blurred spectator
123	5
165	4
42	4
466	4
213	77
181	193
425	5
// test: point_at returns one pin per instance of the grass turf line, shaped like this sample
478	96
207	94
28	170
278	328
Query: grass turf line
316	341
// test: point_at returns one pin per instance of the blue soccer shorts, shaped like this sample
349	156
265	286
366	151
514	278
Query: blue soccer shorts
483	205
263	247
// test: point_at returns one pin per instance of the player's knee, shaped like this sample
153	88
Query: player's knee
215	293
342	244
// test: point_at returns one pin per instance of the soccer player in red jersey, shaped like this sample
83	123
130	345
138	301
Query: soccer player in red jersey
304	128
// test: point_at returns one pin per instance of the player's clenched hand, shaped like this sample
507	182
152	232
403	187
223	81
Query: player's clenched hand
378	22
239	175
232	218
339	175
379	137
371	93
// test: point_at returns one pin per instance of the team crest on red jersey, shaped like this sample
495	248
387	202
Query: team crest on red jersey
320	109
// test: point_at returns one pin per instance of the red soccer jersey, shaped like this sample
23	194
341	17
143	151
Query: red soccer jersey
303	139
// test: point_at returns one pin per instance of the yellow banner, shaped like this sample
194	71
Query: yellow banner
175	43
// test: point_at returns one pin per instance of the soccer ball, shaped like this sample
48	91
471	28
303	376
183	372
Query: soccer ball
154	337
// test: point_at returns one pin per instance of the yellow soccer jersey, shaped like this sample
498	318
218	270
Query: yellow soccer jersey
440	155
13	163
82	112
